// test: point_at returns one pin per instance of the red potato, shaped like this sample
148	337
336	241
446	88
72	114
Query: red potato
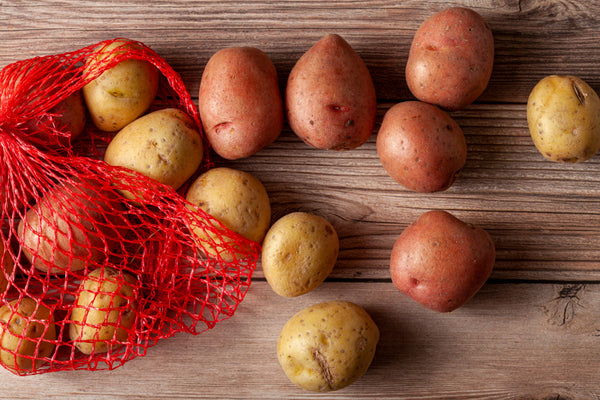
441	262
239	101
451	58
421	147
330	97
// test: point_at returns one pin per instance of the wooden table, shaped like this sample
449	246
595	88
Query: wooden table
532	332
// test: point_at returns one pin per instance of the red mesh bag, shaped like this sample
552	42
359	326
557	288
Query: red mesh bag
90	279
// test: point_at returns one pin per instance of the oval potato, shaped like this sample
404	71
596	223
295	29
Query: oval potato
327	346
122	93
299	252
451	58
239	102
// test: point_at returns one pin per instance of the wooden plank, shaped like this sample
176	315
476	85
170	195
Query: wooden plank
511	341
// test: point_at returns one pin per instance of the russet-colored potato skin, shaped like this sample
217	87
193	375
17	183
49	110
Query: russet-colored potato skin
121	94
238	200
299	252
239	101
327	346
441	261
26	330
330	98
104	311
563	114
451	58
421	147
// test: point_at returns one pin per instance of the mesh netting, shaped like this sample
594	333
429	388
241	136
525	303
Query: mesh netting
89	278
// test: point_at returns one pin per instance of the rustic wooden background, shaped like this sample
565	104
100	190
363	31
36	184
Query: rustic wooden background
532	332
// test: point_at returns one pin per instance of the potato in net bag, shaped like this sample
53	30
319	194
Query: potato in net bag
91	278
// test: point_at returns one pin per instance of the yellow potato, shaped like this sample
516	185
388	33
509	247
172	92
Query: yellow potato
163	145
104	311
7	267
563	113
238	200
122	93
27	334
299	252
327	346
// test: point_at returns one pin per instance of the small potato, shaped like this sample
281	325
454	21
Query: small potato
122	93
104	311
72	227
327	346
563	113
8	266
235	198
421	147
299	252
451	58
440	261
330	97
239	102
27	334
163	145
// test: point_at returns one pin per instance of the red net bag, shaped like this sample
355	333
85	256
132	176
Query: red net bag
91	279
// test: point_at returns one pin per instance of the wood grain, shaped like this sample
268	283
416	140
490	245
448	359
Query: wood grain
532	332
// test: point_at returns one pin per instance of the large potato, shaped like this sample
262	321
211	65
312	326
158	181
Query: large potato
235	198
122	93
104	311
330	97
421	147
440	261
239	102
72	227
299	252
563	113
27	334
327	346
451	58
163	145
7	263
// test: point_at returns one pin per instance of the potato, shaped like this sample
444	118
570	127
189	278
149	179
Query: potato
8	265
451	58
440	261
104	311
421	147
235	198
327	346
27	334
563	113
330	98
163	145
299	252
239	102
122	93
72	227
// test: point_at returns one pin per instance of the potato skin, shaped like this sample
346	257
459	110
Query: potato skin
441	261
8	266
239	101
104	311
122	93
327	346
451	58
235	198
71	227
563	114
299	252
26	330
163	145
330	98
421	147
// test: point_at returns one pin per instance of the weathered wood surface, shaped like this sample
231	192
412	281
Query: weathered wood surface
533	330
